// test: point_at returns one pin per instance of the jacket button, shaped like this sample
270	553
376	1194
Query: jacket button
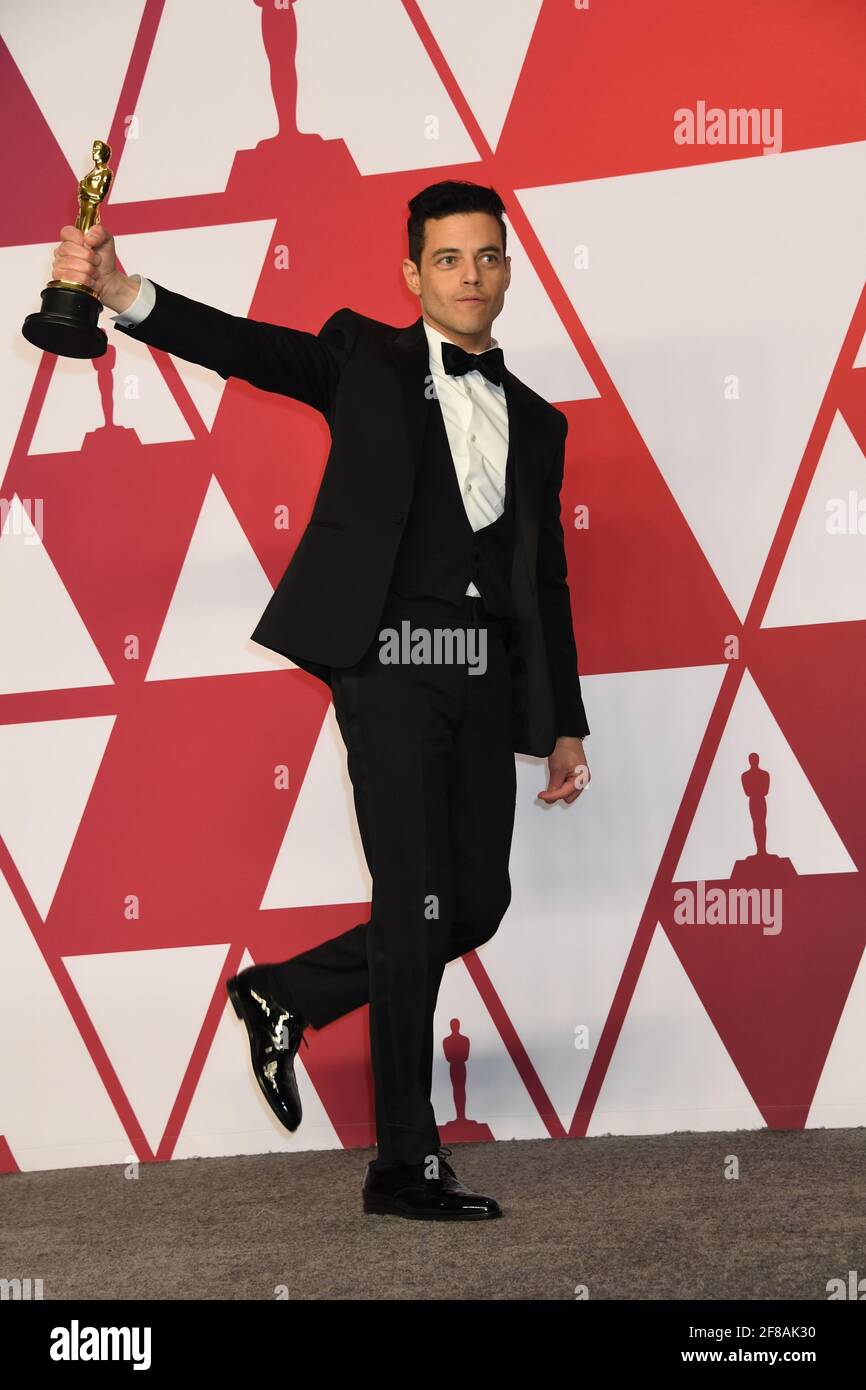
397	518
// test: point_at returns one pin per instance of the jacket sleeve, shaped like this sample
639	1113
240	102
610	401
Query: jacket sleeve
305	366
555	604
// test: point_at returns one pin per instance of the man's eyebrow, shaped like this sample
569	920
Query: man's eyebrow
450	250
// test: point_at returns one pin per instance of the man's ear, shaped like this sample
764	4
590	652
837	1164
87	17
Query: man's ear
411	276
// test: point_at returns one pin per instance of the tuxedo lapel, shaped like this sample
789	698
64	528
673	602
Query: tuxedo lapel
411	356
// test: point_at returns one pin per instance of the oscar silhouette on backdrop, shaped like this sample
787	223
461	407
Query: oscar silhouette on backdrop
456	1048
756	784
438	511
760	869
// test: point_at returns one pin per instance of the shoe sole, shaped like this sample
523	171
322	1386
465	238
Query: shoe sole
231	988
376	1206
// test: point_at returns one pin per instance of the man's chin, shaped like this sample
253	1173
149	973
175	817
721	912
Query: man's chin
472	318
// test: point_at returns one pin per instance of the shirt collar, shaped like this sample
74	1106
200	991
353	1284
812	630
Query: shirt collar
435	339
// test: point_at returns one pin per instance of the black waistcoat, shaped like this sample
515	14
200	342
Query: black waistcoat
439	552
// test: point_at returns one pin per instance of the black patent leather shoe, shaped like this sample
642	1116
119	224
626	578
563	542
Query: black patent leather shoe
275	1034
407	1192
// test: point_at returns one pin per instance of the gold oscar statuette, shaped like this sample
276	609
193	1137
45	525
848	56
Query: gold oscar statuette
67	322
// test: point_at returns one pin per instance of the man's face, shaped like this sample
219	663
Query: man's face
462	277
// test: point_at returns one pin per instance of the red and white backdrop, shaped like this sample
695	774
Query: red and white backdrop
688	285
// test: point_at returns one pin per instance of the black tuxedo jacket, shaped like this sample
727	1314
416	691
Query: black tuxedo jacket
369	379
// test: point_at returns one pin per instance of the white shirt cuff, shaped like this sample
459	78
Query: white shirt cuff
140	306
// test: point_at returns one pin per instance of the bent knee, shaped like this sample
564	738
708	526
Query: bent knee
486	919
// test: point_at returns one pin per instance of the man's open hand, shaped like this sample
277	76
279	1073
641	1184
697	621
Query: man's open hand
568	772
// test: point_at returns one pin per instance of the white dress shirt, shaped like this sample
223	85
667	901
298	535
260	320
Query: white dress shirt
476	421
474	411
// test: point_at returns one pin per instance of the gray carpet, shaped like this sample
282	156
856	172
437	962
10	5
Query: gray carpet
630	1218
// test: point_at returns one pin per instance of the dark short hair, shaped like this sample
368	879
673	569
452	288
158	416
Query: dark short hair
444	199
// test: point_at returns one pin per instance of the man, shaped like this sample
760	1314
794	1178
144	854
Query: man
436	529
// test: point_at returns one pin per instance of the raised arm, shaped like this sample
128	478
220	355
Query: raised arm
305	366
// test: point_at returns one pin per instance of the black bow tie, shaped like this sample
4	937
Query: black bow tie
490	363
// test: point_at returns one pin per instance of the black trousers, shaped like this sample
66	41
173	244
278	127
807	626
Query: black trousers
430	757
